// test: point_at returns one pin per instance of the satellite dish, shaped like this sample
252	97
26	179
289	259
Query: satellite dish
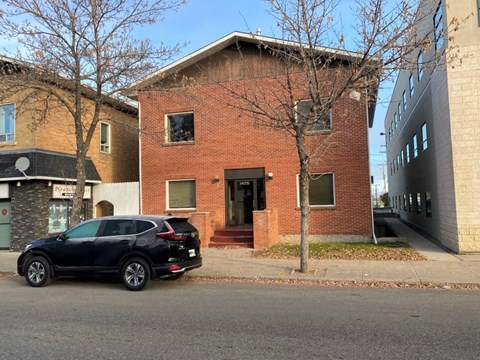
22	164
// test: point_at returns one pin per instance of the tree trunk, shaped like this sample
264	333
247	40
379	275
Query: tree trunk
77	200
304	183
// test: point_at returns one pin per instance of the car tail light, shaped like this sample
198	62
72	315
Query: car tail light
174	267
170	235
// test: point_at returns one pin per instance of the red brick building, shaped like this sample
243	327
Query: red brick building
204	156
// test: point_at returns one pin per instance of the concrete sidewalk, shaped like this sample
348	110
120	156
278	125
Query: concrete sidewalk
439	268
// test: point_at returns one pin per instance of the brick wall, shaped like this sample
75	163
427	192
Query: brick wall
228	138
57	133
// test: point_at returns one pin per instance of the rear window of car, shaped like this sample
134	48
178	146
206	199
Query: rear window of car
143	226
181	225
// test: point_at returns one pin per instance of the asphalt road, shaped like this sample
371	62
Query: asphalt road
83	319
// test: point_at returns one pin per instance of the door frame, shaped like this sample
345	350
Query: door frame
234	178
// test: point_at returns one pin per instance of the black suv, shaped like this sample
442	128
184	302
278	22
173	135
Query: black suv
137	248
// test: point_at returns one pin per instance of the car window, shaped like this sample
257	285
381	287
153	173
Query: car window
144	226
118	227
85	230
181	225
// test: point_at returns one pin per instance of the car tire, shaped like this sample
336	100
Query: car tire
135	274
37	271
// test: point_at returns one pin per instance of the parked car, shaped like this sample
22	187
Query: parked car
136	248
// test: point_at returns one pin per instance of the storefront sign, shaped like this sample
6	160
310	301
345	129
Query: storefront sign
4	193
61	191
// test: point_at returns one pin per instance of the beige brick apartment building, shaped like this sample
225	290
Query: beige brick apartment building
433	136
204	157
36	202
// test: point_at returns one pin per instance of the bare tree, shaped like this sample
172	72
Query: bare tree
77	55
314	61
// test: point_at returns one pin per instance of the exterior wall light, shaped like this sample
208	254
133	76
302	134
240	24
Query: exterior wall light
19	183
216	179
270	176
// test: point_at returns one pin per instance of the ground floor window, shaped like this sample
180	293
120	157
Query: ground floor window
181	194
59	215
428	204
322	190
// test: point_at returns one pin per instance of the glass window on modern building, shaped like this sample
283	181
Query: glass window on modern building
411	85
399	112
415	146
438	27
419	203
424	136
428	204
420	65
404	100
410	203
402	161
407	153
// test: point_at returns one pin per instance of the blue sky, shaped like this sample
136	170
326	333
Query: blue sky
201	22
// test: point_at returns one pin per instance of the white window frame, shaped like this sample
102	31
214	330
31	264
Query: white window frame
167	128
167	194
333	188
10	137
329	129
106	148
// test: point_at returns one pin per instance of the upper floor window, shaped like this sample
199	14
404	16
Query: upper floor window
402	157
411	85
407	153
180	127
438	27
399	112
7	123
420	65
104	137
181	194
392	132
415	146
321	191
395	120
316	121
404	100
424	137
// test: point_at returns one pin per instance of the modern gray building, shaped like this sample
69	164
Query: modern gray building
432	129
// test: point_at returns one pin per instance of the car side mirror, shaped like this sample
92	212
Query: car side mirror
62	237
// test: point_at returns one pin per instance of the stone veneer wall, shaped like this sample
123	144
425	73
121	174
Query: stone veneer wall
464	94
30	212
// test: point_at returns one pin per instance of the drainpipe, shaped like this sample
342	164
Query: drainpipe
140	158
374	237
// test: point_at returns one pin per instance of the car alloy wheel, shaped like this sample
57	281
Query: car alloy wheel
135	274
38	271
